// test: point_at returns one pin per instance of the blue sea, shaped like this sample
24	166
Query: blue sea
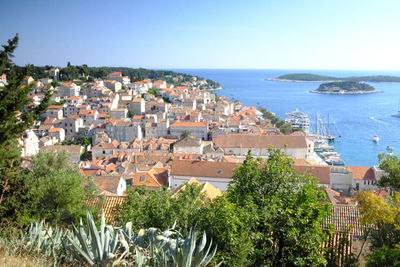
355	117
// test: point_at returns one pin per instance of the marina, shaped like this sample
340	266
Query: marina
321	136
357	117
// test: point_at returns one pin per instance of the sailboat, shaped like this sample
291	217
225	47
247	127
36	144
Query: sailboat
397	114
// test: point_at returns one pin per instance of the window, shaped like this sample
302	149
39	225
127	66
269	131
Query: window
104	152
219	171
142	178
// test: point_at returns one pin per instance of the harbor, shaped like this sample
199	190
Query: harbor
321	135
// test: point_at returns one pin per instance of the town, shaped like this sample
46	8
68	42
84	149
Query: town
153	134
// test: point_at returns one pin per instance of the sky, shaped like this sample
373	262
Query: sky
245	34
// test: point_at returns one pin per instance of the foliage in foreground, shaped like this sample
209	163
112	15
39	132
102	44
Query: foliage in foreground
56	191
116	245
224	222
287	211
271	215
16	116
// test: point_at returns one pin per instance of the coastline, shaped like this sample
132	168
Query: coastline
298	81
215	89
327	81
346	93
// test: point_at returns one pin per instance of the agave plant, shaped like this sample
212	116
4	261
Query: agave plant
169	249
193	253
44	239
98	247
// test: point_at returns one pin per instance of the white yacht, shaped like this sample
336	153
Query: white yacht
397	114
299	120
376	138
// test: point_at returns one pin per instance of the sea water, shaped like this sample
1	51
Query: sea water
355	117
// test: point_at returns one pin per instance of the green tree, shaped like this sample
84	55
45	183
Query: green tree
15	117
287	209
384	256
185	133
146	208
381	218
391	165
229	226
57	192
131	114
224	222
153	91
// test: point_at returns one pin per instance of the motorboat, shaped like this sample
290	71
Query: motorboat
299	120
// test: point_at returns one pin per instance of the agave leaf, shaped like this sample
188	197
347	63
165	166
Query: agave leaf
78	248
209	255
102	231
202	244
96	243
188	247
82	237
128	229
106	242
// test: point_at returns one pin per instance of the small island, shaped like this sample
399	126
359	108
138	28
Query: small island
308	77
345	88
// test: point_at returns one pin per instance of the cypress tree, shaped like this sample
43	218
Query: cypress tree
16	116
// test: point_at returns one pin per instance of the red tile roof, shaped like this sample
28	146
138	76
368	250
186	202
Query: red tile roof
203	168
362	173
260	141
189	124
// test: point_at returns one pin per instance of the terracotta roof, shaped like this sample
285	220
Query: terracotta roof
260	141
89	172
107	183
104	145
54	107
188	124
108	204
49	121
208	189
322	173
55	130
45	127
137	100
203	168
362	173
73	98
116	73
67	83
346	218
188	141
87	112
336	198
146	179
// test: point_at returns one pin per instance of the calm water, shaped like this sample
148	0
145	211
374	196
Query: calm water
357	117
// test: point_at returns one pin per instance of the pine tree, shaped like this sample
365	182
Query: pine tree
16	116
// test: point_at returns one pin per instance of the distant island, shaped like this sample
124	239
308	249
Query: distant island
345	88
308	77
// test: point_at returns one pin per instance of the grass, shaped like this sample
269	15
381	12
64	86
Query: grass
13	260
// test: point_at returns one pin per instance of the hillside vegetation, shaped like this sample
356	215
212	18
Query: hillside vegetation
344	86
86	73
307	77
